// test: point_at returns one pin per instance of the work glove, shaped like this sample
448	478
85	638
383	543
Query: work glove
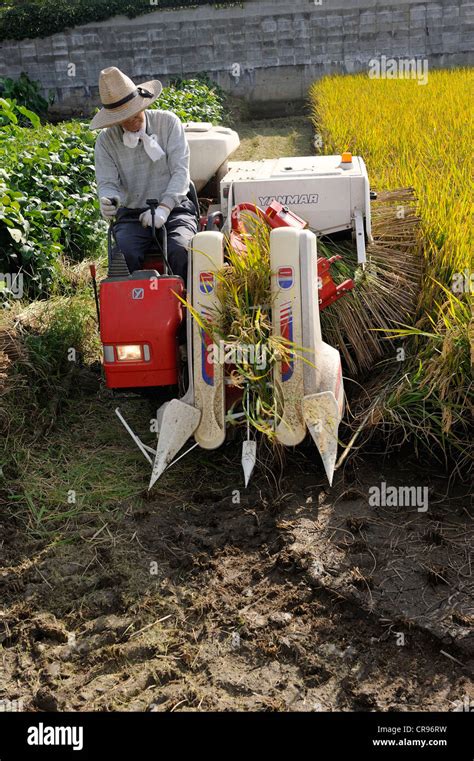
109	206
161	215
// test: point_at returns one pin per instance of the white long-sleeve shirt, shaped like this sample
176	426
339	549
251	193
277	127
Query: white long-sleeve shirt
131	175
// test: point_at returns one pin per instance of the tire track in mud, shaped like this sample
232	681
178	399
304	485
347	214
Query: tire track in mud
204	605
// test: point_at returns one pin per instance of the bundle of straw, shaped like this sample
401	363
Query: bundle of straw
386	292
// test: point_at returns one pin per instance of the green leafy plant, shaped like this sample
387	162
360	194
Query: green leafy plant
193	100
48	205
25	93
12	113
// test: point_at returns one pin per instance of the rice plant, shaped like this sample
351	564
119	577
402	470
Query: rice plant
418	136
242	319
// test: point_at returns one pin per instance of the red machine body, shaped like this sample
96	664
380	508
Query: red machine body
276	215
139	321
328	291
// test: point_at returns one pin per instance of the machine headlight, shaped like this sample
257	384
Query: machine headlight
129	353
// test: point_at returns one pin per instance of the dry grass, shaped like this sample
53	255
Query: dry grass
386	292
273	138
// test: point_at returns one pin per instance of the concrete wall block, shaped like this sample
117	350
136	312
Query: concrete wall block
349	39
451	28
333	33
302	32
350	28
47	59
451	12
400	15
303	57
384	26
367	17
286	42
367	28
59	41
189	34
188	58
334	21
466	9
253	37
418	11
436	47
284	24
434	10
29	48
318	34
319	19
173	60
60	66
417	49
269	25
156	34
450	40
385	40
418	23
318	54
369	48
401	29
401	49
466	44
286	60
271	60
92	39
172	42
300	23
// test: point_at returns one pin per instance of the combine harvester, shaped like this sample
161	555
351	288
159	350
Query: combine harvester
300	198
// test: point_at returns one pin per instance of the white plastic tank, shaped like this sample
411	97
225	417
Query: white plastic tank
209	147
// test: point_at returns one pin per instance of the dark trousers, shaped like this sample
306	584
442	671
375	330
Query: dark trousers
134	240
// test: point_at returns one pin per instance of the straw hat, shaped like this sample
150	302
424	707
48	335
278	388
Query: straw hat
121	98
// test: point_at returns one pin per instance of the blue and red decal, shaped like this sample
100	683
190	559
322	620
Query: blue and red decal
286	277
286	331
207	366
206	282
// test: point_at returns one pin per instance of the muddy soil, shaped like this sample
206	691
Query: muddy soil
307	599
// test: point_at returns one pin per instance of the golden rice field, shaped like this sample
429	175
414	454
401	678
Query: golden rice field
410	135
421	136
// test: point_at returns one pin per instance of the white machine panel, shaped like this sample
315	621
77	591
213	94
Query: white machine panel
320	189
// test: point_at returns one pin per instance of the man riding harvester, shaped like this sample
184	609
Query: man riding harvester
164	251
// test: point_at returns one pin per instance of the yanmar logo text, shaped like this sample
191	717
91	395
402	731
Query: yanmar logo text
296	200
